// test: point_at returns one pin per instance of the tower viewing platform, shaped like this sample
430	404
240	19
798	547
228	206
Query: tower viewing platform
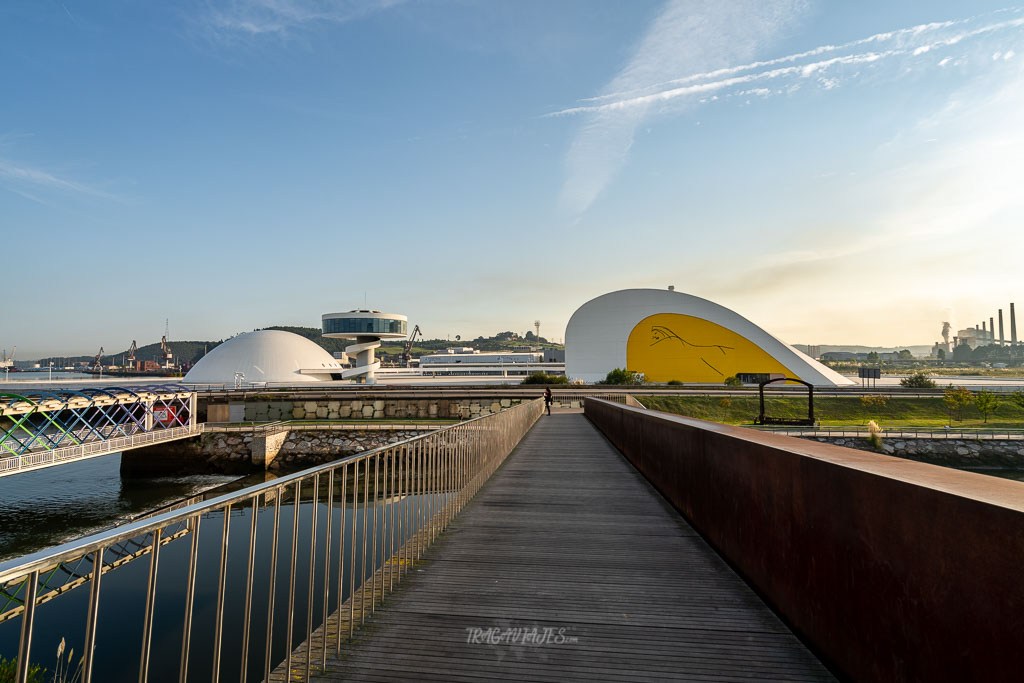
367	328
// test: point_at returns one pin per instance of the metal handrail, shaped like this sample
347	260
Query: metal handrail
897	432
38	459
426	480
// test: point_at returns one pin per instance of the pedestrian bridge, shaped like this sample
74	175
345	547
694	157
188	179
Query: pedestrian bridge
53	428
622	544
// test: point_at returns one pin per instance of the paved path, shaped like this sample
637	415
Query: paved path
568	540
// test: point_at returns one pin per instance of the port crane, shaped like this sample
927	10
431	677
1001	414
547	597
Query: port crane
97	362
407	345
165	353
130	358
8	362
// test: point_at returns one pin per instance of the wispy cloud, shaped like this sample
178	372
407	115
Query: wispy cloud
687	36
912	42
28	182
942	196
247	18
637	93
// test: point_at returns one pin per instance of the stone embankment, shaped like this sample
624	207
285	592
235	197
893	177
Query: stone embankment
1008	453
300	448
261	410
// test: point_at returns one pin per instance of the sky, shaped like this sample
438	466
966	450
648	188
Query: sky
838	173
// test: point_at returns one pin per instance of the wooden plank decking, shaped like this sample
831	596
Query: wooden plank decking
568	537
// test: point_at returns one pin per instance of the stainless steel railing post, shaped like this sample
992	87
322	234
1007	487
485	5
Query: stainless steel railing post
218	633
352	554
27	622
272	581
312	573
246	618
341	553
93	613
327	570
147	623
190	594
291	578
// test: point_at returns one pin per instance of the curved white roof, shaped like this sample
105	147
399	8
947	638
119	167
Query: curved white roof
596	336
265	356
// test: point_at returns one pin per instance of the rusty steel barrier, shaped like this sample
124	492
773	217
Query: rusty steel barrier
891	570
382	509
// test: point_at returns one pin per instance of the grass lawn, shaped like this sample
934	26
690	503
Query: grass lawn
835	411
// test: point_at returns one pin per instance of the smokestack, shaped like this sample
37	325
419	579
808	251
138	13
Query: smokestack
1002	339
1013	327
991	330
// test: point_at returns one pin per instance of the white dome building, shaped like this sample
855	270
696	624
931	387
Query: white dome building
271	356
669	335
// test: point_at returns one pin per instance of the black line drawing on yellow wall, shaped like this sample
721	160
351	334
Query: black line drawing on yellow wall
660	333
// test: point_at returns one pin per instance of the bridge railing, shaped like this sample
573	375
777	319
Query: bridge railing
898	432
39	459
891	569
320	550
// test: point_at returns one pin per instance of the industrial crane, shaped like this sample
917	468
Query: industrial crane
97	362
165	353
407	345
8	363
130	358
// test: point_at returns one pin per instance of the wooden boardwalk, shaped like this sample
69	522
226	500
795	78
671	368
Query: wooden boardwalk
568	566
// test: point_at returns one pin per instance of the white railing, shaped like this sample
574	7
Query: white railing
40	459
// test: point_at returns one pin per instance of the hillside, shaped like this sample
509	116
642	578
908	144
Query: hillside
192	351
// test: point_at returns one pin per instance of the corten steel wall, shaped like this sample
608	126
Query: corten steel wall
893	570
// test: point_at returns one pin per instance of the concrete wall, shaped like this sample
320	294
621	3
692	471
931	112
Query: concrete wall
892	570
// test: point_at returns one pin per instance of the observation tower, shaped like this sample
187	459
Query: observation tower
367	328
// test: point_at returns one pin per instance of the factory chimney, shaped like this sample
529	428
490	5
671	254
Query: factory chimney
991	330
1002	339
1013	327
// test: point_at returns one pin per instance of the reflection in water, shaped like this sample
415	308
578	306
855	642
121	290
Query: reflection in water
121	605
48	507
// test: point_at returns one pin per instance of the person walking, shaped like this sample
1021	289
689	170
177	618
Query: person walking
547	399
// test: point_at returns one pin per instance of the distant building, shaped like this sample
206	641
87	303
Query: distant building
470	356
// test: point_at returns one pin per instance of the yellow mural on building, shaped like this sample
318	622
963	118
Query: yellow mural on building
670	346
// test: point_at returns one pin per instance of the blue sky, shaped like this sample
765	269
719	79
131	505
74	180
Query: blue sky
836	172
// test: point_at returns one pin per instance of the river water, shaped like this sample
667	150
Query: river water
48	507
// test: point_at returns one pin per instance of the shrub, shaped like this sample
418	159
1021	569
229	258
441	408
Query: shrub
725	403
874	401
1018	398
986	402
917	380
956	399
618	376
542	378
676	383
875	435
9	667
733	381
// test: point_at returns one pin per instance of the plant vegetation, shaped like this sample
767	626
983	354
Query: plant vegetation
543	378
931	412
956	399
875	435
9	668
986	403
918	380
733	381
621	377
